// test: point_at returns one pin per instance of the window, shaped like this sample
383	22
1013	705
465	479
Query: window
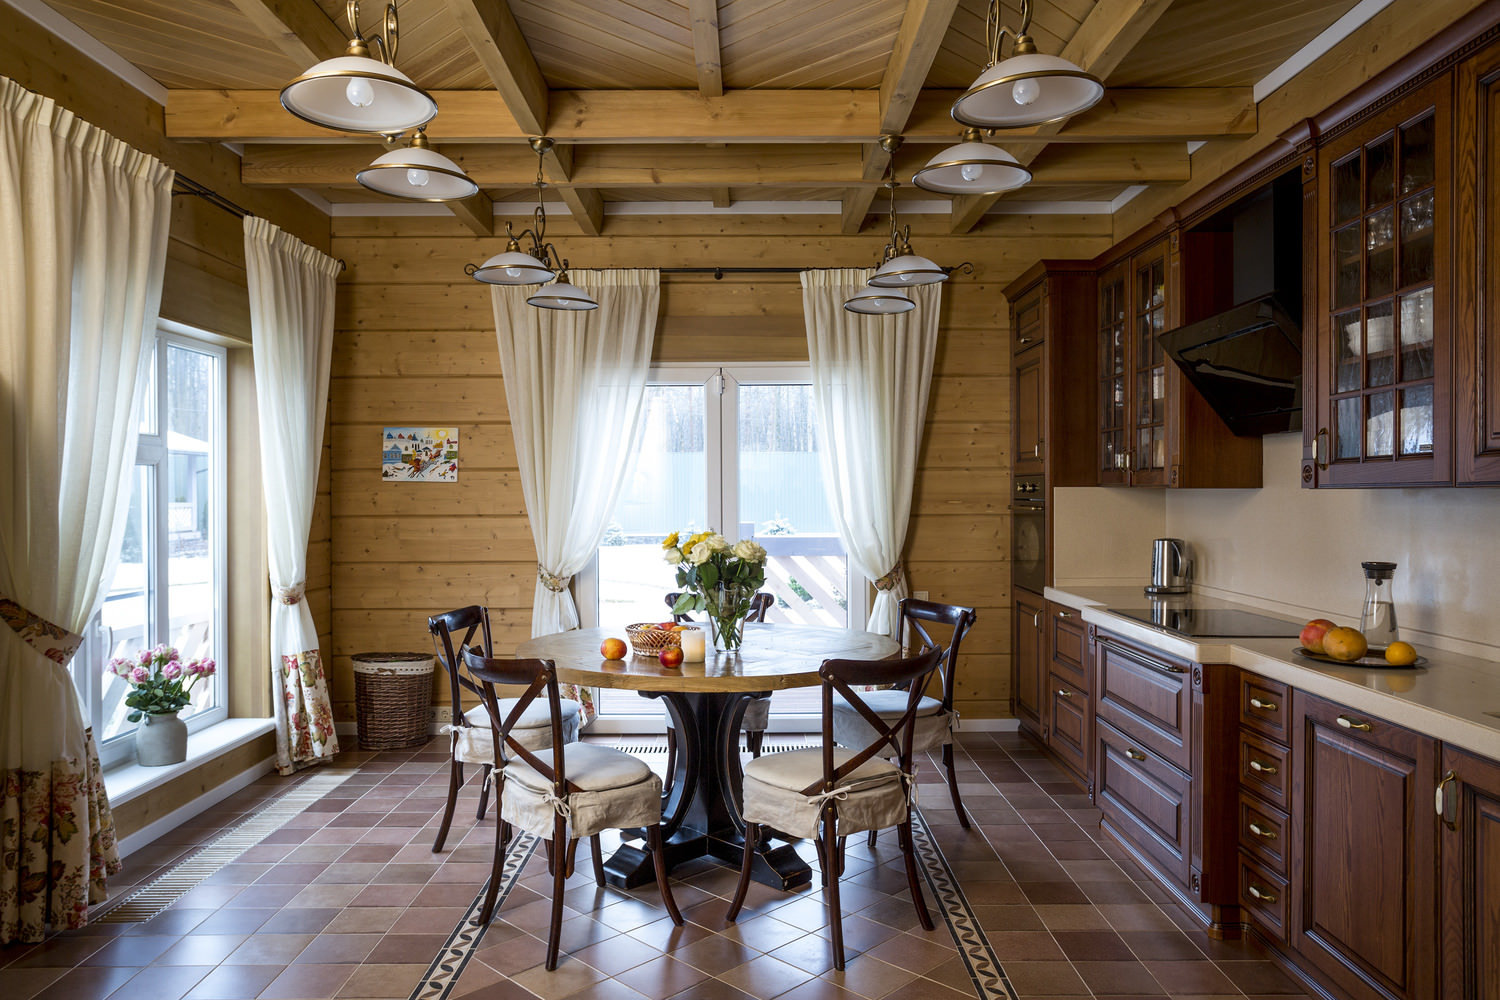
735	449
169	586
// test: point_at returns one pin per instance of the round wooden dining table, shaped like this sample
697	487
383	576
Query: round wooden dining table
700	814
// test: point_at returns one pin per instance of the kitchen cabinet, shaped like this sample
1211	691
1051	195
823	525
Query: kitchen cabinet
1263	823
1378	396
1070	715
1363	880
1477	303
1028	661
1470	880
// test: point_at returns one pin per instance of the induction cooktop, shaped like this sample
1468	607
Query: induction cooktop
1204	623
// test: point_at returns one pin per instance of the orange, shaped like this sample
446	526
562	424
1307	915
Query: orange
1344	643
1400	654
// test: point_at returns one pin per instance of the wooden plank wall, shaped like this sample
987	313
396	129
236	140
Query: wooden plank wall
416	346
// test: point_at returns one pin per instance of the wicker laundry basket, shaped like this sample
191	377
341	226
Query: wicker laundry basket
393	698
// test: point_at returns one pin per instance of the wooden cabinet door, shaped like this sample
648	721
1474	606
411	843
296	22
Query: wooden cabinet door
1470	845
1363	871
1380	398
1114	376
1029	662
1477	304
1134	307
1031	410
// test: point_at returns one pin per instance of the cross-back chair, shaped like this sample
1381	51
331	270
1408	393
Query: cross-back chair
452	631
563	791
930	624
831	792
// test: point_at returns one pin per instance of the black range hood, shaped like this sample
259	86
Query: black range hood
1246	363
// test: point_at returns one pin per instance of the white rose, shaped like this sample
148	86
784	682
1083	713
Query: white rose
673	555
716	543
699	554
749	551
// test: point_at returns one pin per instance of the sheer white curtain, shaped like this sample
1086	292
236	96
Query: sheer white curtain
574	382
291	329
870	380
83	237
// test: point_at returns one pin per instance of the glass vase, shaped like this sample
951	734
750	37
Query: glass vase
727	607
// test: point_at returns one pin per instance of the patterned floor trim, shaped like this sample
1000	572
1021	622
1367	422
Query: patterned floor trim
990	982
443	974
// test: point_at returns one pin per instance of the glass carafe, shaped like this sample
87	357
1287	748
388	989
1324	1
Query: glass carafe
1378	618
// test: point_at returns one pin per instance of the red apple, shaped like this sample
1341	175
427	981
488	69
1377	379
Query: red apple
671	657
1313	632
666	625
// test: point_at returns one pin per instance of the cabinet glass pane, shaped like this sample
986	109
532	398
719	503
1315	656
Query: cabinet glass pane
1114	451
1380	171
1379	434
1346	188
1346	430
1416	335
1346	261
1417	159
1158	394
1416	420
1381	250
1158	448
1380	355
1346	374
1143	342
1416	240
1142	394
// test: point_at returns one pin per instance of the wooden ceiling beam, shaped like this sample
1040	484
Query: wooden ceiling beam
675	116
298	28
496	39
586	206
477	212
1104	38
706	55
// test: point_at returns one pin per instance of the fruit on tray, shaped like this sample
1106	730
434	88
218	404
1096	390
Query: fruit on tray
1344	643
1400	654
1312	634
613	649
670	657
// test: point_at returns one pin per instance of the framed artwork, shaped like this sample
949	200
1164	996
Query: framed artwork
419	455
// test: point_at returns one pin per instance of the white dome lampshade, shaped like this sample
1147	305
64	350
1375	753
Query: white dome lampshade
908	269
1029	88
513	267
972	167
562	294
873	300
417	173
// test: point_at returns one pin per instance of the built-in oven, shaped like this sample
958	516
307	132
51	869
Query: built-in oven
1028	534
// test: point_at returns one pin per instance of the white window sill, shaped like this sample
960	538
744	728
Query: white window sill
128	780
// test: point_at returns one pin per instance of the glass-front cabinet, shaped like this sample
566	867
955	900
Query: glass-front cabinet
1380	402
1134	308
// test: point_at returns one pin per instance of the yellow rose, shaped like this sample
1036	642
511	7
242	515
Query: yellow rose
670	542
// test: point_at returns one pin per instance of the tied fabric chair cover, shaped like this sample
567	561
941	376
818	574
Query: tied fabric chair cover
84	221
831	792
575	790
469	733
936	717
757	707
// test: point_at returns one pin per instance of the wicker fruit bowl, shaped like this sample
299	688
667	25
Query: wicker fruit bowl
648	639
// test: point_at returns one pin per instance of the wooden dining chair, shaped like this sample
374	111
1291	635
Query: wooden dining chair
829	793
936	716
563	791
469	730
757	709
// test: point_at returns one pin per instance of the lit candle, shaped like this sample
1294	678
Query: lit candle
692	645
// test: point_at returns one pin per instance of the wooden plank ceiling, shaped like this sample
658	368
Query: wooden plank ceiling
713	101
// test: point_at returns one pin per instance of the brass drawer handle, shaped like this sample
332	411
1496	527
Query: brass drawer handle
1264	895
1134	754
1064	693
1264	706
1349	723
1261	831
1262	767
1065	614
1441	801
1165	668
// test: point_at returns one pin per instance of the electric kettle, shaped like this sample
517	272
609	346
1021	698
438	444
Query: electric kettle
1171	569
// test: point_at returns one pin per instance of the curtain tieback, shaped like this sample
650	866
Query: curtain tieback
289	595
556	584
889	581
52	641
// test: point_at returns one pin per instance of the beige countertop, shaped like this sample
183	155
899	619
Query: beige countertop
1451	698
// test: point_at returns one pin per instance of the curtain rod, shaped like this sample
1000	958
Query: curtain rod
719	272
190	187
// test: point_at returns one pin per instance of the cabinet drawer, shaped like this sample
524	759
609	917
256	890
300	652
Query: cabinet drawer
1265	898
1069	646
1147	696
1145	799
1263	833
1265	769
1265	706
1069	737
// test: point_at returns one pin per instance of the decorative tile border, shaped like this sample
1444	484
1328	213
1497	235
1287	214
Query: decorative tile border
990	982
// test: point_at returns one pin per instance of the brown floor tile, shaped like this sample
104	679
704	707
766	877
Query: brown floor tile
1191	977
1167	946
338	949
308	981
384	980
201	949
870	977
1094	946
1259	978
138	951
88	983
269	949
1045	978
1118	979
163	982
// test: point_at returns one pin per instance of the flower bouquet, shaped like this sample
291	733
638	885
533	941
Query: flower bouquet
717	578
162	682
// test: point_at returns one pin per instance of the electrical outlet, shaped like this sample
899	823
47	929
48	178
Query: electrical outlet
442	715
920	595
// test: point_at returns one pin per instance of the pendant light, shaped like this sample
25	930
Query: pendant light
972	167
357	93
1029	88
873	301
899	266
539	262
418	173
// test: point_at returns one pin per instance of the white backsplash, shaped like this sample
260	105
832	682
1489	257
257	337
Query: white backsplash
1299	550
